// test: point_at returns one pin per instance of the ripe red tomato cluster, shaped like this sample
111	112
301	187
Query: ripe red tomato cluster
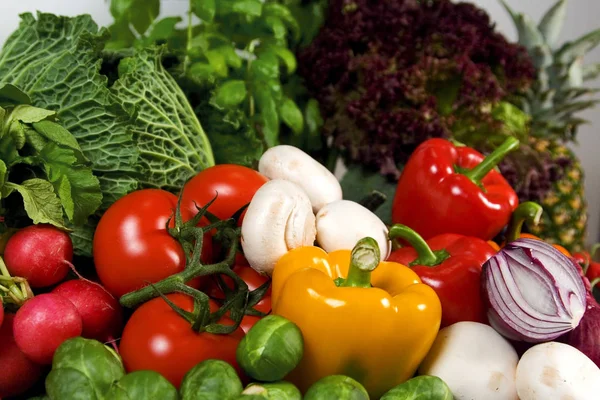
132	247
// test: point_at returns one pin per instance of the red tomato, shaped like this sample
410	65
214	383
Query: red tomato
19	373
132	245
234	184
249	320
156	338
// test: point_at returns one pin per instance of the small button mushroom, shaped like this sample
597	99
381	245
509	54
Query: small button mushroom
278	219
294	165
341	224
475	361
556	370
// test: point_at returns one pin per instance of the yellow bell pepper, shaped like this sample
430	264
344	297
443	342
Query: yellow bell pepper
372	321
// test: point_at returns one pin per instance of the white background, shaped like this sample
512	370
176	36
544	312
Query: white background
582	18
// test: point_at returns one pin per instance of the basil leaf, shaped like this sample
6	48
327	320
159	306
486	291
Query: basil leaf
250	8
142	385
268	114
291	115
287	56
41	203
83	368
217	61
277	27
204	9
312	115
140	13
163	29
265	67
284	14
230	94
78	189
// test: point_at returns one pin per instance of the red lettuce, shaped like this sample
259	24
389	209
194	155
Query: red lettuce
391	74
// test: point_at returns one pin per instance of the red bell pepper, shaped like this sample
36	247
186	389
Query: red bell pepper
451	265
591	268
451	189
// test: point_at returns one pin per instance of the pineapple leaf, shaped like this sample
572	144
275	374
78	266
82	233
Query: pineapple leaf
570	51
552	22
530	36
575	75
574	93
562	110
541	56
591	71
513	14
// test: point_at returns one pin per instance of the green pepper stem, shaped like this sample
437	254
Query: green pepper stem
426	256
364	259
480	171
529	212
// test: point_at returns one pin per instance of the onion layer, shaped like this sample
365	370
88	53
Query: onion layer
534	293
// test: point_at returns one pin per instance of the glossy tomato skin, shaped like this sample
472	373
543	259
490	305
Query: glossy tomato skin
234	184
157	338
132	245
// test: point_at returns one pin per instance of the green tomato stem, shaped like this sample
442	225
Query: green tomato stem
529	212
426	256
480	171
364	259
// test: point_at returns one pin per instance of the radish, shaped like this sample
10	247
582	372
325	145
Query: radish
1	312
42	254
100	312
43	323
18	373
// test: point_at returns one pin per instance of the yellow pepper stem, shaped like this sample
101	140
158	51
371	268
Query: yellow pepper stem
529	212
364	259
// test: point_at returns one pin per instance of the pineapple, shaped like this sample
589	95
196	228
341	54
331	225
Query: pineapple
552	102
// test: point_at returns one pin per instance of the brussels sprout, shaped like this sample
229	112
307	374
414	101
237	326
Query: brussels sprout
338	387
211	380
271	349
420	388
271	391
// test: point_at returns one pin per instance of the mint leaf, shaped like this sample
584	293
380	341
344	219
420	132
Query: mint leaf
62	73
172	143
204	9
17	131
291	115
41	203
10	95
77	188
3	172
230	94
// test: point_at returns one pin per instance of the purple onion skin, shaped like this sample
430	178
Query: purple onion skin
530	255
586	337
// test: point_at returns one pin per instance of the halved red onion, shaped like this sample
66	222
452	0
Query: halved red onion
534	293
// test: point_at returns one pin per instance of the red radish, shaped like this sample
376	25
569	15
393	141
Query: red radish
42	254
1	312
18	373
44	323
100	312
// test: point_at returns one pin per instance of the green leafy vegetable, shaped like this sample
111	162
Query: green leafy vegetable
139	132
173	147
211	379
83	368
420	388
43	163
142	385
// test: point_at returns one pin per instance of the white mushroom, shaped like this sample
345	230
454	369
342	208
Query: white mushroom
341	224
475	361
294	165
278	219
557	371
